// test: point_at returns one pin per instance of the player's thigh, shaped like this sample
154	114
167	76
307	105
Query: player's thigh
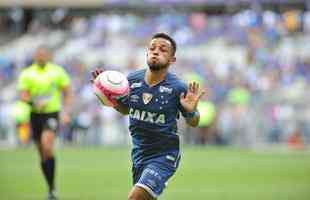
47	139
50	127
154	178
139	193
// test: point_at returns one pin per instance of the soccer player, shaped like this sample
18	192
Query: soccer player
155	100
42	85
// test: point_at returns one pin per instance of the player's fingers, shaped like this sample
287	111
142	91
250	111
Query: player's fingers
93	73
97	72
191	89
202	92
195	87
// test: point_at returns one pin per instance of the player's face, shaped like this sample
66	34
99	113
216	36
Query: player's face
159	54
41	57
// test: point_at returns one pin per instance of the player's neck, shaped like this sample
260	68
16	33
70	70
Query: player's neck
154	77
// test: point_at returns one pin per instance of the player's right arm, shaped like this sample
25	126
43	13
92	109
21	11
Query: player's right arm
121	109
23	87
63	83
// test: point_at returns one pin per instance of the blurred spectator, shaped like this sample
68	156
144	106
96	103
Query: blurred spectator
21	112
207	125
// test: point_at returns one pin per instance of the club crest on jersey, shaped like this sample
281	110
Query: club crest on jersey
147	97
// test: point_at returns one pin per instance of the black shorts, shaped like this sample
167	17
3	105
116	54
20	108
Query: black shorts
43	121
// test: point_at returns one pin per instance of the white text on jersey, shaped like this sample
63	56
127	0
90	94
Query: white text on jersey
145	116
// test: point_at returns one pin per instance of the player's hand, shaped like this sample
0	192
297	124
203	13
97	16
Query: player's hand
95	74
191	99
65	118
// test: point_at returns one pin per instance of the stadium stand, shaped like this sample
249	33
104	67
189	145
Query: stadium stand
253	57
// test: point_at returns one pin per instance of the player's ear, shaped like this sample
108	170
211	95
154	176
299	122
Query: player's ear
173	60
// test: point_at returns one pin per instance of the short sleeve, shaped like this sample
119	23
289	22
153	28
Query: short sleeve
63	79
23	81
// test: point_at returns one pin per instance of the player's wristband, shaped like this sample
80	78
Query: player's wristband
120	100
191	114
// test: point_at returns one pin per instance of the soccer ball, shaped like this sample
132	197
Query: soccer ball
110	86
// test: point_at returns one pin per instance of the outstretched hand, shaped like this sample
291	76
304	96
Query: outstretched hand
191	99
95	74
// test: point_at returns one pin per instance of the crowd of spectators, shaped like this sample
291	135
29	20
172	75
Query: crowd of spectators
255	67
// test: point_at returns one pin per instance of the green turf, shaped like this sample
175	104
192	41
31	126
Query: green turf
204	174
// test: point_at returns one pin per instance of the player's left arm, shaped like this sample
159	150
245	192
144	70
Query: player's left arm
189	102
64	84
67	101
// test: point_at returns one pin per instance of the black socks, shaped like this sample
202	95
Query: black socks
48	169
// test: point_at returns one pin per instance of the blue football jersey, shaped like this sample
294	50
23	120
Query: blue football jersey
153	114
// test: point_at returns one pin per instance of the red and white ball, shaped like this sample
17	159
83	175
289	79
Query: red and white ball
109	86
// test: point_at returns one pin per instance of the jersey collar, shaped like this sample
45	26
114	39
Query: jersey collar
157	84
38	68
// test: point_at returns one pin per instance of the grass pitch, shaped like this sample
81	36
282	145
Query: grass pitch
204	174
